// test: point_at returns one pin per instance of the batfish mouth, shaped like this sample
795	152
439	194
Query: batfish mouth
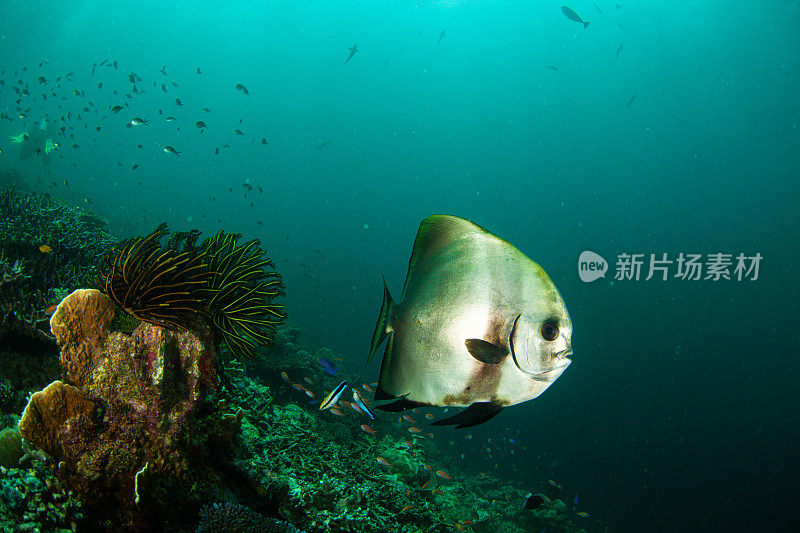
561	363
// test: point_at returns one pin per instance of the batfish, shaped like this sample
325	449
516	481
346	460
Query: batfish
478	324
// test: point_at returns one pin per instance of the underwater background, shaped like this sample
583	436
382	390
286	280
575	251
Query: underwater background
659	128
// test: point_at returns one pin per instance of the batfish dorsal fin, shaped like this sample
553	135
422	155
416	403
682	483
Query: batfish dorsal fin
437	231
486	352
476	413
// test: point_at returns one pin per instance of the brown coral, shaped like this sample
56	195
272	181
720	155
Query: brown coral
47	413
81	325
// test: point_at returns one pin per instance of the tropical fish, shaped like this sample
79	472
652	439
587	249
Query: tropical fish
45	249
631	101
479	324
117	108
138	122
441	36
380	459
327	366
171	150
406	508
582	514
240	87
200	124
444	475
285	377
534	501
353	49
331	399
366	429
619	49
358	400
571	15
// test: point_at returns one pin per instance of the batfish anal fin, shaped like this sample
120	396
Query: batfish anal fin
486	352
382	327
402	404
476	413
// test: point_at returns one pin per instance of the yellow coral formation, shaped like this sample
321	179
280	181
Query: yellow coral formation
47	411
81	324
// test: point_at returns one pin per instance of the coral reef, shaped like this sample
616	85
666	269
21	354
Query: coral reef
10	448
218	283
231	517
47	249
33	499
131	406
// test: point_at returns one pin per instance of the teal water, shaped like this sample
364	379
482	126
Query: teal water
677	411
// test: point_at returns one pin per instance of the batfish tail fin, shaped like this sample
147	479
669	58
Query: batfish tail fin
382	327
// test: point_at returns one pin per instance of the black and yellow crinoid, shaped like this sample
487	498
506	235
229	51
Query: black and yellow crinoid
182	284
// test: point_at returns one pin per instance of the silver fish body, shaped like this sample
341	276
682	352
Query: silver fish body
469	328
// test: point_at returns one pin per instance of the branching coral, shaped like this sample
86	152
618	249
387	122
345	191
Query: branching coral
181	284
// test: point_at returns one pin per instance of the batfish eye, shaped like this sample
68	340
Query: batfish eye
550	331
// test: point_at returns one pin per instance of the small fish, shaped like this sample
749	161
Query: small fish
367	388
45	249
171	150
552	67
437	492
309	381
366	429
413	429
198	70
496	322
170	119
406	508
380	459
240	87
444	475
164	70
441	36
238	132
619	49
353	49
571	15
358	400
117	108
200	124
298	387
327	366
408	419
138	122
207	110
430	416
178	102
429	468
631	101
134	167
50	310
582	514
335	411
264	140
555	485
535	501
331	399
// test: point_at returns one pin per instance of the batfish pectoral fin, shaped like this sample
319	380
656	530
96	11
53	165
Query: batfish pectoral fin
476	413
382	327
486	352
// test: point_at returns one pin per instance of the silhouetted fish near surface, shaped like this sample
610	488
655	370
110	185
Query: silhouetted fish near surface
571	15
240	87
479	325
619	49
631	101
552	67
353	49
535	501
178	102
441	36
200	124
171	150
